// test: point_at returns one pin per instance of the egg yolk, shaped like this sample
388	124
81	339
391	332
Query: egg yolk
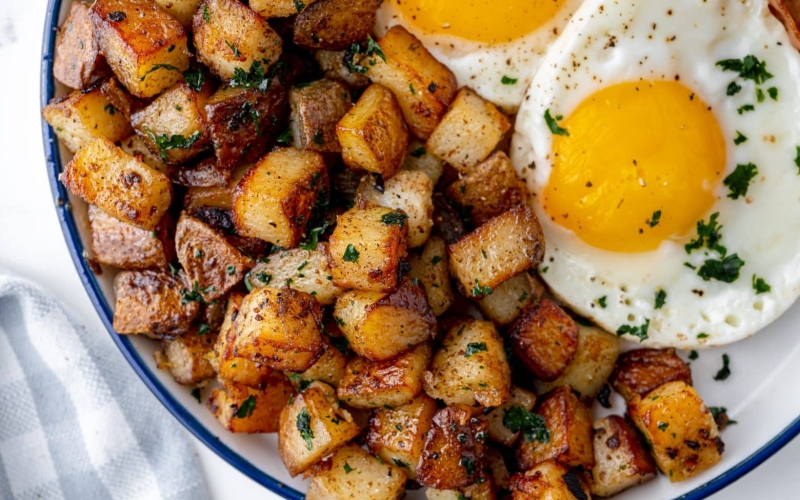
639	166
489	21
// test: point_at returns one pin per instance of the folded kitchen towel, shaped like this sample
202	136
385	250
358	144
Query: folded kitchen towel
75	421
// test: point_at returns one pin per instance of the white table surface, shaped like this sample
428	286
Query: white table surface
31	243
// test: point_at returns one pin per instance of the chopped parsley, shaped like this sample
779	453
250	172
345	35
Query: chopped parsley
693	355
552	124
194	79
733	89
760	286
740	138
760	95
196	394
195	295
532	425
340	343
506	80
285	137
739	181
797	158
234	48
110	109
725	270
661	299
156	68
419	152
708	235
725	371
474	348
480	291
468	463
206	14
372	50
662	426
203	329
436	259
747	107
602	301
231	270
350	254
773	93
304	427
165	142
400	463
394	219
299	6
255	78
655	219
639	332
246	408
347	468
749	68
319	138
313	237
702	335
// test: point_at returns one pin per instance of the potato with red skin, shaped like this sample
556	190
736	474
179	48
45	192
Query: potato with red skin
334	24
233	369
186	357
316	108
152	302
78	62
640	371
545	338
125	246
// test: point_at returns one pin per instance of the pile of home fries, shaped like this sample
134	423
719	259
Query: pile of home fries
311	222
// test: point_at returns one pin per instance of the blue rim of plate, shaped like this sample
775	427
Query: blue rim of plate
76	250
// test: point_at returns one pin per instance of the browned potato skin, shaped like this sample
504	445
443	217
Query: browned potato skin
639	372
222	222
441	465
208	258
316	109
353	473
78	62
278	8
234	369
430	269
205	173
332	64
215	197
182	10
788	12
269	401
620	460
507	302
330	368
545	338
137	147
546	482
120	98
186	357
125	246
497	431
151	302
334	24
513	242
570	424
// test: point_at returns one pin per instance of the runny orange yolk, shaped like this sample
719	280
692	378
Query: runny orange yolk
488	21
633	150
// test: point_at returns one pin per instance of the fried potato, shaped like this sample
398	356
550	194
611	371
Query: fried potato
233	369
125	246
316	108
788	12
152	302
430	269
278	8
205	173
330	368
507	301
304	270
186	357
353	473
78	62
182	10
243	409
620	460
545	338
519	397
548	480
137	147
419	159
220	198
640	371
331	62
334	24
120	98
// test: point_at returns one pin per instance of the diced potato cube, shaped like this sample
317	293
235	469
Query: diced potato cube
482	489
220	198
278	8
378	384
330	368
186	357
316	108
570	424
79	117
137	147
233	369
365	249
423	86
420	159
518	397
145	46
275	199
380	326
354	473
470	367
548	480
545	338
78	62
447	221
397	435
222	222
683	436
496	466
280	328
332	64
312	426
640	371
182	10
125	246
505	246
119	184
304	270
507	301
152	302
430	269
120	98
372	134
204	173
334	24
243	409
229	36
454	447
620	460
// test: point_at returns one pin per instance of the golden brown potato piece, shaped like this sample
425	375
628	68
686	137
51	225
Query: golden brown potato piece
332	64
182	10
280	328
330	368
234	369
409	66
570	424
683	436
788	12
145	46
419	159
316	108
470	367
304	270
482	489
545	338
137	147
122	186
152	302
365	249
243	409
220	198
334	24
275	199
518	397
205	173
230	38
313	425
380	326
78	62
373	135
454	447
81	116
431	271
120	98
640	371
119	244
186	357
620	460
379	384
353	473
208	259
549	480
278	8
507	301
505	246
397	435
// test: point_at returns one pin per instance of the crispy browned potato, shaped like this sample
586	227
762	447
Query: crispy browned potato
353	473
312	426
182	10
505	246
137	147
518	397
431	271
208	259
331	62
545	338
380	326
454	447
334	24
119	184
419	159
125	246
186	357
365	249
548	480
78	62
304	270
640	371
482	489
234	369
278	8
378	384
205	173
447	222
275	199
316	108
145	46
243	409
620	460
330	368
152	302
220	198
507	301
120	98
372	134
570	424
280	328
788	12
222	222
409	66
81	116
683	436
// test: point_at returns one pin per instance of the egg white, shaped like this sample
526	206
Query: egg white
662	41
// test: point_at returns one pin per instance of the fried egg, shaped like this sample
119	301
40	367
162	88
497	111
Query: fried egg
492	46
661	144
